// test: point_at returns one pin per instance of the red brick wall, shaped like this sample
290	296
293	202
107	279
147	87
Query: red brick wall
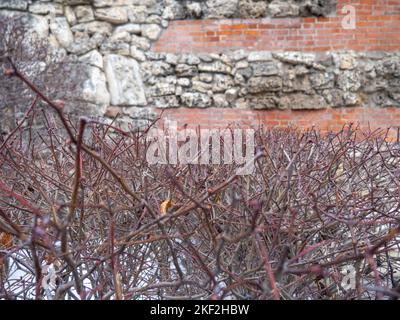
377	29
387	7
325	120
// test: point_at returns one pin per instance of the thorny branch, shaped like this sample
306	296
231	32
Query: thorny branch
82	199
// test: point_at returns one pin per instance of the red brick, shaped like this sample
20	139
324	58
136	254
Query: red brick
328	119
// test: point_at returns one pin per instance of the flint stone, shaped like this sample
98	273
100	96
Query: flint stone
61	30
167	102
260	56
109	3
171	58
174	10
322	80
264	84
250	9
138	14
70	15
184	70
83	45
334	97
189	59
137	54
237	55
349	81
201	86
46	8
280	9
220	101
95	88
162	89
93	58
231	95
351	99
299	101
183	82
222	83
151	31
115	15
130	28
196	99
155	55
93	27
123	36
296	57
194	9
262	101
298	83
221	8
140	42
265	69
347	62
38	25
158	68
215	67
124	80
206	77
84	13
14	4
119	47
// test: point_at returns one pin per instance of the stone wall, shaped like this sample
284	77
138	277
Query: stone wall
127	71
375	29
265	80
244	9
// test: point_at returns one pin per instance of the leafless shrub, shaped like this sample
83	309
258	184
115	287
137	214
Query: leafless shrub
314	206
83	215
45	66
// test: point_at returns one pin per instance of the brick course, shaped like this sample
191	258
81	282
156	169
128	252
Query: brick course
326	120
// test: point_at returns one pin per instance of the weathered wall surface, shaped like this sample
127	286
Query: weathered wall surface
149	55
375	30
264	80
325	119
216	9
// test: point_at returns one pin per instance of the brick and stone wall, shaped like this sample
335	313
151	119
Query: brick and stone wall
376	29
215	62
